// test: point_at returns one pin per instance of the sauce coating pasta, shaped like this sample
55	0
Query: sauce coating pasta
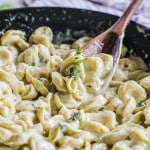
48	102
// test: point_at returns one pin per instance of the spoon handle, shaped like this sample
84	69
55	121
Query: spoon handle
120	25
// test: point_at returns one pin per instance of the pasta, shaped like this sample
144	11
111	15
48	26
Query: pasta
49	101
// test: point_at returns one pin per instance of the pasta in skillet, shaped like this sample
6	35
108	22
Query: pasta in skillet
48	102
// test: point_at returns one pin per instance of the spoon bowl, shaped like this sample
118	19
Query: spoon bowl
110	41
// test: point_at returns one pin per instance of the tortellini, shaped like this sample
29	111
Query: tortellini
5	91
59	82
15	84
6	56
130	145
80	42
49	96
36	55
38	84
108	118
131	90
145	82
120	75
29	92
14	38
37	142
127	64
42	35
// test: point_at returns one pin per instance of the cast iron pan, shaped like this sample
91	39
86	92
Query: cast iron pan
72	24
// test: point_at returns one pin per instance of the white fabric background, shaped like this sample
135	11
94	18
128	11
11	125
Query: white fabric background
115	7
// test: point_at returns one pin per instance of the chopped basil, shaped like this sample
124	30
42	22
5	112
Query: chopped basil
76	116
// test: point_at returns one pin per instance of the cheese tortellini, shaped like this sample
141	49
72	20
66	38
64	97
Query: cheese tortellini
49	101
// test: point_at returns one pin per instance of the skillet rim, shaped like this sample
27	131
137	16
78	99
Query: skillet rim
69	8
113	19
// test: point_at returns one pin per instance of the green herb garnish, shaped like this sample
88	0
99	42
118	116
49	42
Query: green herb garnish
76	57
78	51
40	79
33	63
36	107
44	60
74	71
71	72
77	149
89	86
33	105
139	104
99	137
63	128
76	116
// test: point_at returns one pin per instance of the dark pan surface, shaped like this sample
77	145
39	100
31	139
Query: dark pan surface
72	24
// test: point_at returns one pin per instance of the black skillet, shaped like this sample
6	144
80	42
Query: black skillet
69	24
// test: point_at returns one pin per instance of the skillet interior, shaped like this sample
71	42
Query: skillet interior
72	24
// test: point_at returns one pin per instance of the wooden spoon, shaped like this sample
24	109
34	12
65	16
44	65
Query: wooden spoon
110	41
